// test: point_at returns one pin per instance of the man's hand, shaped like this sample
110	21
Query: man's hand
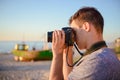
58	42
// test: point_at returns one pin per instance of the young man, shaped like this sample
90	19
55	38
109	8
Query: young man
98	63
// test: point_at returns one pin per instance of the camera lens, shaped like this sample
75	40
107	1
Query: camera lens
49	36
69	36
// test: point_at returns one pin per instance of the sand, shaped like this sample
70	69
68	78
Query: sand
12	70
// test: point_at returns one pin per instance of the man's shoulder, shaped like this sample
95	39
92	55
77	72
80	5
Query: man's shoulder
97	65
102	56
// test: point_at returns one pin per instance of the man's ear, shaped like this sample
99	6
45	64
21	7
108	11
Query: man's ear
86	26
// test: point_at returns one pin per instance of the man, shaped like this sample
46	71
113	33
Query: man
98	63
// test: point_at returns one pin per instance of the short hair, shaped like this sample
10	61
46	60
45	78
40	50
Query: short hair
91	15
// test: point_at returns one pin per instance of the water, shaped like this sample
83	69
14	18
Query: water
7	46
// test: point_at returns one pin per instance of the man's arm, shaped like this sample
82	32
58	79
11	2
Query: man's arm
58	45
56	68
66	68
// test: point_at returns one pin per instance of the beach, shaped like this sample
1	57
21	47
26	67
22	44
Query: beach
13	70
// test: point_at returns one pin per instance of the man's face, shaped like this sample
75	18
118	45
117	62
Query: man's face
80	37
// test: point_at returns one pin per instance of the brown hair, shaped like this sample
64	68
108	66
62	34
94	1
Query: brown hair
91	15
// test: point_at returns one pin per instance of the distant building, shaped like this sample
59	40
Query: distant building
117	42
117	45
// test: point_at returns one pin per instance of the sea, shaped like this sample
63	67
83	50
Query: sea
8	46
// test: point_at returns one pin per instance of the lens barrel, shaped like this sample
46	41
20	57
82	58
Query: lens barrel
49	36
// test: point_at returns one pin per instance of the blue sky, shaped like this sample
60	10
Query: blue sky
30	20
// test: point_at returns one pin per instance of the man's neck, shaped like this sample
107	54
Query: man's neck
94	40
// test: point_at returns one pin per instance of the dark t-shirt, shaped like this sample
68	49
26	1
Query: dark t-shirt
99	65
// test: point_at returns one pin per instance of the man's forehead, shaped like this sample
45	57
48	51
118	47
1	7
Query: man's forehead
73	24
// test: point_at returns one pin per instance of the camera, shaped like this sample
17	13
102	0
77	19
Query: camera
69	36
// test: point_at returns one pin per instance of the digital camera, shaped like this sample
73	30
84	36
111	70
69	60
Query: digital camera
69	36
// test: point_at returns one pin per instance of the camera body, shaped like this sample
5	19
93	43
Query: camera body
69	36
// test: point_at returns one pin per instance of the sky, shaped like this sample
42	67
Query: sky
30	20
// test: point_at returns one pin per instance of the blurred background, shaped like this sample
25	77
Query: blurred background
30	20
23	28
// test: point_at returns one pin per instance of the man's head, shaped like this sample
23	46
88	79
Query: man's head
87	22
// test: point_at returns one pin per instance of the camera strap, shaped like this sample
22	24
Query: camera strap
93	48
